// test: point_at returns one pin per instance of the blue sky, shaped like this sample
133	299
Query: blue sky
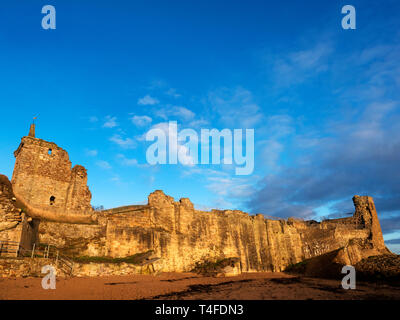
323	101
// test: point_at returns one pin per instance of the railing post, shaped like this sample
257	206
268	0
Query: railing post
33	250
57	259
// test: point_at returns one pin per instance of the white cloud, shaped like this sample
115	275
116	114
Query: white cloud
183	112
141	121
199	123
279	125
227	189
271	150
103	164
148	100
126	143
116	179
110	122
126	161
231	187
236	107
172	92
175	112
295	67
91	153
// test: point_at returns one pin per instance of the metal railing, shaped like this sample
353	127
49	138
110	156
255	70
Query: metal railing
14	249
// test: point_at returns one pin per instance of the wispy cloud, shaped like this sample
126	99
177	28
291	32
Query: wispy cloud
110	122
175	112
126	161
357	156
228	190
236	107
148	100
91	153
126	143
199	123
230	186
141	121
293	68
172	92
103	164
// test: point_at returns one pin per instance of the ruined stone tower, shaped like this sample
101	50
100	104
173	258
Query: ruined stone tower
43	177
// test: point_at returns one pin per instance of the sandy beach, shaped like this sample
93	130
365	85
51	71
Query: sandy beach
250	286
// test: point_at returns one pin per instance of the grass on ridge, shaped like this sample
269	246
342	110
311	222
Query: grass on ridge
134	259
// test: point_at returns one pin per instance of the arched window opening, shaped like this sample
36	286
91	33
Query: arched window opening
50	152
52	200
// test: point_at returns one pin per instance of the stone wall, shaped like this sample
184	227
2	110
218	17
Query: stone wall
182	236
26	267
74	239
45	187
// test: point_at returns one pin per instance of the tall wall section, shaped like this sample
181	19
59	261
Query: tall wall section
44	179
182	236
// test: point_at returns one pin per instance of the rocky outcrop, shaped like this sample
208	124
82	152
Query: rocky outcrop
10	215
17	228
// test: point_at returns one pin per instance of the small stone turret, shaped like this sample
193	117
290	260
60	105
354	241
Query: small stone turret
366	216
32	131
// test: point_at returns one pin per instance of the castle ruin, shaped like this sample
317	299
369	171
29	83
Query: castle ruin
49	202
44	178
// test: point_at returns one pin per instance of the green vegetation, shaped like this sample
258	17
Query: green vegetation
212	268
134	259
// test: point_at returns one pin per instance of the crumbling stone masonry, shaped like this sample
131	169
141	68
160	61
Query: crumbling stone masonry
180	237
16	227
44	179
183	236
